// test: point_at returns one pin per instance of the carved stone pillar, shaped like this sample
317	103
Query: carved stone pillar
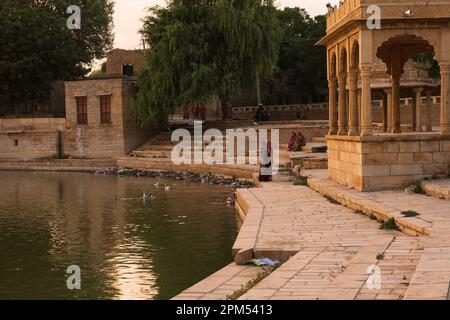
445	101
396	122
388	93
366	102
343	123
419	120
384	112
333	112
429	115
353	104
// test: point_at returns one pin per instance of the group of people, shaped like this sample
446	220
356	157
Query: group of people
196	111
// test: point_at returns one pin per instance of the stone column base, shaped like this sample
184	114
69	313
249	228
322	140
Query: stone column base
381	162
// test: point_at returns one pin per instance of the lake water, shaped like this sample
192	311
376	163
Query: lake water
126	249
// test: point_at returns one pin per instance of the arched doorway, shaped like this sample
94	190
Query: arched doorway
394	53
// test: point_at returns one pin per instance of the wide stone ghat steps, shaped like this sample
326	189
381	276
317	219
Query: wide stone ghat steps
313	156
328	250
431	277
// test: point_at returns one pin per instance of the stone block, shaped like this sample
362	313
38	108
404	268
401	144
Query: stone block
423	157
333	154
244	256
429	146
373	147
435	168
350	157
406	169
380	158
376	171
392	147
386	182
441	157
445	146
413	146
405	158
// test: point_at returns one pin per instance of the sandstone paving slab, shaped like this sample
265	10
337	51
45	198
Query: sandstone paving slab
437	188
221	284
427	264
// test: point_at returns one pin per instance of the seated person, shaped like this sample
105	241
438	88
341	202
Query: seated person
261	114
297	142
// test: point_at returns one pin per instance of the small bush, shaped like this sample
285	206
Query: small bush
389	225
414	187
410	214
373	217
301	181
380	256
252	283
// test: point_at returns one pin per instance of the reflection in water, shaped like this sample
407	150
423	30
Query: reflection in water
126	248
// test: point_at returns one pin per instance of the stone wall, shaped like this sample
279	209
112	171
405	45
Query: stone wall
30	138
388	161
317	111
81	165
28	145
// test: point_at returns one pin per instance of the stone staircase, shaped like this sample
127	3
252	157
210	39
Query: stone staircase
157	151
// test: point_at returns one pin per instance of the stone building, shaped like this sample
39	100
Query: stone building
119	57
363	58
99	121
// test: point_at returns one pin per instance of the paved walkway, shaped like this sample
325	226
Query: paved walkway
431	278
221	284
335	247
333	251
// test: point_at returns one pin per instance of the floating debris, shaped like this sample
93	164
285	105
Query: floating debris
186	176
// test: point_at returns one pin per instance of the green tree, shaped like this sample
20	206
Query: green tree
201	49
38	48
301	75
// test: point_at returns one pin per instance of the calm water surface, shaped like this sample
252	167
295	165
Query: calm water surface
126	249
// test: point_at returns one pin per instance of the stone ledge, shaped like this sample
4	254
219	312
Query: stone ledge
439	188
59	165
411	226
387	137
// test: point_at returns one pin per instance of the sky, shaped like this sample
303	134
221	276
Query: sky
128	15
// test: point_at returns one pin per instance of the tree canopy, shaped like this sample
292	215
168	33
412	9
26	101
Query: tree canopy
38	48
200	49
301	76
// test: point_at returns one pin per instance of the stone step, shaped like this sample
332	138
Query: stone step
370	203
315	148
437	188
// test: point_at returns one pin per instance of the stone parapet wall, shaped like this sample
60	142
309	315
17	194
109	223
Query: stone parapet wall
318	111
387	161
59	165
9	125
29	145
